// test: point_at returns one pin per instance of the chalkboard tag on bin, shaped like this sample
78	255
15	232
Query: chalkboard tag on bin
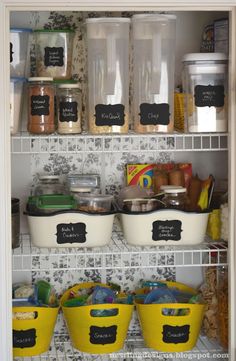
71	233
209	96
103	335
176	334
24	338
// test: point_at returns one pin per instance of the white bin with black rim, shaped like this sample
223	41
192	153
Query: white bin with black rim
164	227
71	229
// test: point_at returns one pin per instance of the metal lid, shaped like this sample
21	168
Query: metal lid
164	187
107	20
40	78
42	177
204	57
175	190
68	86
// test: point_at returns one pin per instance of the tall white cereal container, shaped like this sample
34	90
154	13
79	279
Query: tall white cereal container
206	95
153	38
108	75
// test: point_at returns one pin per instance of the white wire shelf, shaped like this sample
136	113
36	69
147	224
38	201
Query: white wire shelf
25	143
134	349
117	255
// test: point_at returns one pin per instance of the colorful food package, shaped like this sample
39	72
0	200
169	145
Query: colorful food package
177	174
141	174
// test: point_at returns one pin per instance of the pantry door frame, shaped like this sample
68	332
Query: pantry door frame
6	6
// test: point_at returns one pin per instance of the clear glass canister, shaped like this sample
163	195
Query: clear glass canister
205	90
48	184
41	110
108	75
69	108
175	198
54	53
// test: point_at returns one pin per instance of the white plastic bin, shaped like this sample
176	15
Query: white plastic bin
71	229
108	75
19	46
16	91
206	93
54	50
154	67
164	227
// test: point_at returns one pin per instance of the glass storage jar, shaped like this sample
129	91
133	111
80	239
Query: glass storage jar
41	116
69	108
19	46
49	184
205	91
222	297
175	198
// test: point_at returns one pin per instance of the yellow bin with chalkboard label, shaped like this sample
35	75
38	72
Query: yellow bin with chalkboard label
32	333
96	334
170	327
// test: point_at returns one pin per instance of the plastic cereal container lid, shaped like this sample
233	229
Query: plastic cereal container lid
204	57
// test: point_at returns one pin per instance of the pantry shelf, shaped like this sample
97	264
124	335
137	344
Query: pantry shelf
117	255
28	144
134	349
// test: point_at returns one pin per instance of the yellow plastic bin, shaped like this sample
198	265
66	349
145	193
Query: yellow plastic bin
170	333
96	334
32	337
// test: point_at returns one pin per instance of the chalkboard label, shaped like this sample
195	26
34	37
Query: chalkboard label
109	115
11	52
24	338
166	230
71	233
39	105
53	56
209	96
103	335
154	114
68	111
175	334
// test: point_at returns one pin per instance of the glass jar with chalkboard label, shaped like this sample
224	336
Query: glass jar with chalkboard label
175	198
41	116
153	76
206	93
69	108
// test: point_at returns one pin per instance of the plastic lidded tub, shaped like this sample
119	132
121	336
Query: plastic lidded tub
16	91
54	53
19	45
95	203
54	202
205	87
141	204
83	180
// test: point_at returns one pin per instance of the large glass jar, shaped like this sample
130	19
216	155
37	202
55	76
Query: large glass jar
69	108
49	184
41	116
175	198
222	296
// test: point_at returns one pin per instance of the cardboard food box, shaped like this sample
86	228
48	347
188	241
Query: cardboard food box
141	174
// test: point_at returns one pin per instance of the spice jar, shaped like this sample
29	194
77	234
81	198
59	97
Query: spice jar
175	198
49	184
69	108
41	117
222	296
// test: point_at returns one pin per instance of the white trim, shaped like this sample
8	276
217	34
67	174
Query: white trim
5	195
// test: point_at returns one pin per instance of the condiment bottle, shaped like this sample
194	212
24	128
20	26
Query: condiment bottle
41	116
175	198
69	108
